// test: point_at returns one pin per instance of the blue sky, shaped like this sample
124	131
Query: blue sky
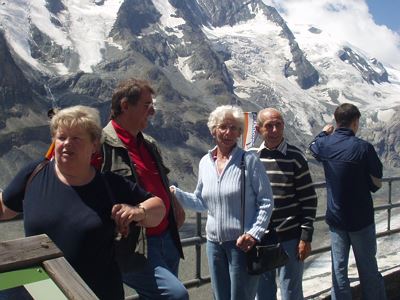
386	12
370	25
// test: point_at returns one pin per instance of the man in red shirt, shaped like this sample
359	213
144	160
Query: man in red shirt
128	152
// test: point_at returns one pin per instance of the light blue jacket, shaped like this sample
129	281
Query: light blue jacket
220	195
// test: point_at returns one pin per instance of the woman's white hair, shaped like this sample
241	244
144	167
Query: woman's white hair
221	113
81	116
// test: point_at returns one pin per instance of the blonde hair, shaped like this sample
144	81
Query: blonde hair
81	116
219	114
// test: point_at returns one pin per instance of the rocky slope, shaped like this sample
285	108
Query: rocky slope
197	55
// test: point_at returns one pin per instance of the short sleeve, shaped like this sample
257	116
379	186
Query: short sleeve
14	193
126	191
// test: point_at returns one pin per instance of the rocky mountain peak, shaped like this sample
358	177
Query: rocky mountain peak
372	71
14	87
197	54
134	16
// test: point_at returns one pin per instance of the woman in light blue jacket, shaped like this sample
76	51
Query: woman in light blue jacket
218	192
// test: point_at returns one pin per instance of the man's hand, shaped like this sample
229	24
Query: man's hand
245	242
303	250
328	128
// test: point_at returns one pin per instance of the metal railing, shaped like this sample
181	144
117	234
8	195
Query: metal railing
198	239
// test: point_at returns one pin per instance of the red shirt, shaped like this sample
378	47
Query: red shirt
146	169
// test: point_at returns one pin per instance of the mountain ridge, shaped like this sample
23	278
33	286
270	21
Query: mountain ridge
197	55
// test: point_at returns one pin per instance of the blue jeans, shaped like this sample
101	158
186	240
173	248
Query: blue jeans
159	278
363	243
290	277
229	278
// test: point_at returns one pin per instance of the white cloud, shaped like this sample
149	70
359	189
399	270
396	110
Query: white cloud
347	20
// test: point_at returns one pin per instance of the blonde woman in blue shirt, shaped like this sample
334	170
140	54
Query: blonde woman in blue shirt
218	192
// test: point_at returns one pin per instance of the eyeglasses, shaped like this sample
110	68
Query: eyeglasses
150	105
277	125
225	127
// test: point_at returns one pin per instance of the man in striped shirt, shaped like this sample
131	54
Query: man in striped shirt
295	205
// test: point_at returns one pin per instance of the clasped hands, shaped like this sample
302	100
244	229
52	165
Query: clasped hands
125	214
245	242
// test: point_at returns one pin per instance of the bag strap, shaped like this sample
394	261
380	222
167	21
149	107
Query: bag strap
35	171
242	189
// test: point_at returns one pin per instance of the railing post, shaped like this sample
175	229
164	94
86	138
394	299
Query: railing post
198	247
389	211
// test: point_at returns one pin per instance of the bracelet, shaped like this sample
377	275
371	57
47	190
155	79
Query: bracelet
144	210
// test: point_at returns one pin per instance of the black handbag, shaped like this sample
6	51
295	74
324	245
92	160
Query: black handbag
268	253
130	251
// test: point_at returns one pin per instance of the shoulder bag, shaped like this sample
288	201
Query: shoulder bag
268	253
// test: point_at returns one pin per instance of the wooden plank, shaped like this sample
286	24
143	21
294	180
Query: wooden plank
26	252
68	280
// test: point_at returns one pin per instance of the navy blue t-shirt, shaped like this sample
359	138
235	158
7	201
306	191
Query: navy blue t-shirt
77	219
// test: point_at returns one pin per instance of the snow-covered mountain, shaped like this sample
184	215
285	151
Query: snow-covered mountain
198	54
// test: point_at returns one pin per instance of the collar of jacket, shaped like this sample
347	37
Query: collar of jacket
110	136
344	131
282	147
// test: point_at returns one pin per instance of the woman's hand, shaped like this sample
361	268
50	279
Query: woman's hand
123	231
148	213
245	242
124	214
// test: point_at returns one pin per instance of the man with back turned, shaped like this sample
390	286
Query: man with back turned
352	170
